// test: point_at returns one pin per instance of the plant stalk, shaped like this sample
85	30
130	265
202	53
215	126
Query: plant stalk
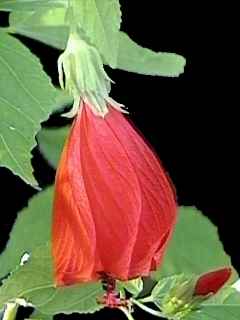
147	309
127	313
10	311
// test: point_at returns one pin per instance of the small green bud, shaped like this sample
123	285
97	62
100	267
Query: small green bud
175	296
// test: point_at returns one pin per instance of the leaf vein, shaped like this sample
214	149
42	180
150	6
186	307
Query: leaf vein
21	85
11	154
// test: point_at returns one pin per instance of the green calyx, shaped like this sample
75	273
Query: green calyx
82	75
179	301
175	298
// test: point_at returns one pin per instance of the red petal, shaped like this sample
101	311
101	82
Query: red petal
212	282
113	191
74	237
114	207
158	200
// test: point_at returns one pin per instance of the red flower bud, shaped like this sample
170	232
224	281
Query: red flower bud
114	207
212	282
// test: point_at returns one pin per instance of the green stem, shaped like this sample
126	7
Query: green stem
10	311
146	300
7	29
147	309
71	16
127	313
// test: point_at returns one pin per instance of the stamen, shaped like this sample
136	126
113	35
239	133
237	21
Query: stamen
111	298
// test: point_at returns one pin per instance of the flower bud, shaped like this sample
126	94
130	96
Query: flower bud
114	206
212	282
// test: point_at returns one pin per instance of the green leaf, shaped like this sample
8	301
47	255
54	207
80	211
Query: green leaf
134	286
116	47
22	5
229	309
101	21
195	247
26	99
217	312
51	143
134	58
32	228
36	315
45	25
34	280
227	295
41	316
34	283
62	100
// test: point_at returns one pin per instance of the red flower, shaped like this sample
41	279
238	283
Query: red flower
212	282
114	207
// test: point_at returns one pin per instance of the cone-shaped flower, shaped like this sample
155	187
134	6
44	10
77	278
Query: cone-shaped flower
212	282
114	207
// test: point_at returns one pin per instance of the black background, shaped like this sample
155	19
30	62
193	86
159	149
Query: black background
189	120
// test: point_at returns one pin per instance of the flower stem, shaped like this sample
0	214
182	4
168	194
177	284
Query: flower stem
147	309
71	16
10	311
7	29
127	313
146	300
